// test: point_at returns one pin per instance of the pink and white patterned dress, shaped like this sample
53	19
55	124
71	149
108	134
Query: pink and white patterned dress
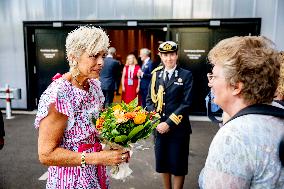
79	106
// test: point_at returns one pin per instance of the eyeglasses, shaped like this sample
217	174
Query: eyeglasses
210	77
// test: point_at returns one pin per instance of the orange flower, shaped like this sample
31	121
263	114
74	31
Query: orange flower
130	115
99	123
139	118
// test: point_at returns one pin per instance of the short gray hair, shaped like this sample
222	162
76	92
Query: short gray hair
145	51
111	51
86	39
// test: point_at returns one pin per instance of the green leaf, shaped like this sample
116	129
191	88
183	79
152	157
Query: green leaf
120	138
147	123
134	131
134	102
145	133
149	131
94	120
114	132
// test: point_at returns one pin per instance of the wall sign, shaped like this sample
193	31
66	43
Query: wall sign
49	53
194	54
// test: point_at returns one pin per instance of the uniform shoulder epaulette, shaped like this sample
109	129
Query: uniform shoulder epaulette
157	69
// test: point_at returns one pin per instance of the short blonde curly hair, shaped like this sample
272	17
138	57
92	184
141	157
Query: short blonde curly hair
86	39
280	88
251	60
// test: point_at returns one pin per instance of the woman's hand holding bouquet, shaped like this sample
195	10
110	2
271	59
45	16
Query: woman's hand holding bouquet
122	124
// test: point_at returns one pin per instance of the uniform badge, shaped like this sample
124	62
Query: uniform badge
176	73
179	82
167	47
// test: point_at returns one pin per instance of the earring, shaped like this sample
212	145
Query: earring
73	63
75	72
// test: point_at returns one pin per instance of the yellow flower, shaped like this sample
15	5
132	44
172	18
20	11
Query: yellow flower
139	118
117	107
137	108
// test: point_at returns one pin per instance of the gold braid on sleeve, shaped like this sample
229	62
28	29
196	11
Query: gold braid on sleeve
157	98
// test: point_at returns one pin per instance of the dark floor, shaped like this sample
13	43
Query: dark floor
20	168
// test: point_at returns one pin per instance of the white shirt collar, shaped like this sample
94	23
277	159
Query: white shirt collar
170	71
146	60
109	55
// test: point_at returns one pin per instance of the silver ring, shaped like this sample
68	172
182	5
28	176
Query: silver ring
122	157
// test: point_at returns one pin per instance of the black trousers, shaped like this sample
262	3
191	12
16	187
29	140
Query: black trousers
143	93
109	95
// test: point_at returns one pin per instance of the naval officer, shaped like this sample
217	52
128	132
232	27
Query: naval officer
170	94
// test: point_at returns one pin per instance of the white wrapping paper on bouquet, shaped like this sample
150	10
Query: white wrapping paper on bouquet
121	171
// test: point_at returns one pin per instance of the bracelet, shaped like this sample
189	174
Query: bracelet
83	160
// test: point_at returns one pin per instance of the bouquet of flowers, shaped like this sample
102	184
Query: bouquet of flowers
123	124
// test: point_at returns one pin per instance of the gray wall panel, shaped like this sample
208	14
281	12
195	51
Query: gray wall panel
279	37
243	8
14	12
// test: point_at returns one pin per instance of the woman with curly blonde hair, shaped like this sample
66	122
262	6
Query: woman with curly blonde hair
67	141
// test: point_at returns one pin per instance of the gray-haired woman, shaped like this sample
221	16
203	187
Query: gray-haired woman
67	141
245	151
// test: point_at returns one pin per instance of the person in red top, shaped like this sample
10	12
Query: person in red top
129	80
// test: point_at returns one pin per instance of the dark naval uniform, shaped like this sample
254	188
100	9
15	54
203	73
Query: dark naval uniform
172	102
